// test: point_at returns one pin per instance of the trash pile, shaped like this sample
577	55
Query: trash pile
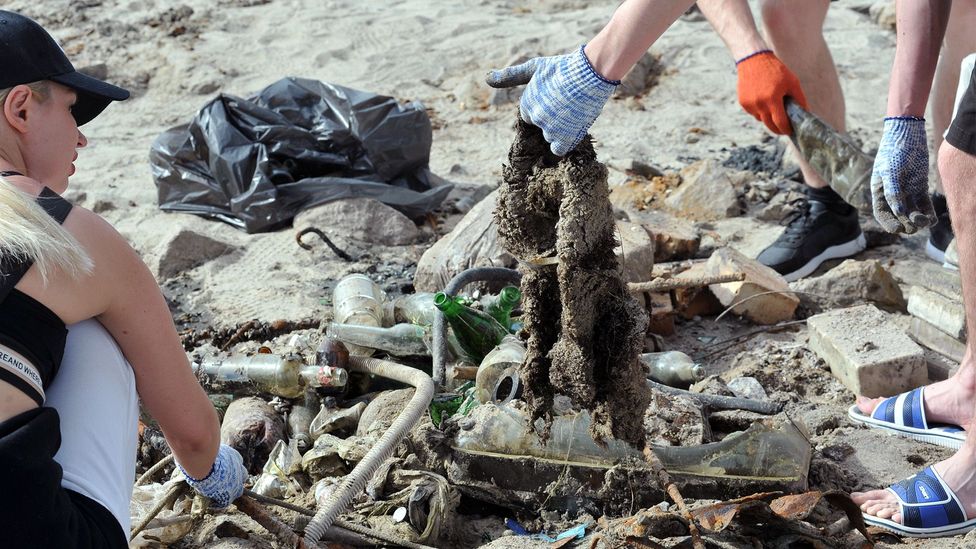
540	402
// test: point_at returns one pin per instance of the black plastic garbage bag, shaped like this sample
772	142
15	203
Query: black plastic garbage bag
255	163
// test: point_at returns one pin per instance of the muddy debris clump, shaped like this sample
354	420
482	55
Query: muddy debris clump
584	329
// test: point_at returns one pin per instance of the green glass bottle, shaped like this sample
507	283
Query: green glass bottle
500	306
477	332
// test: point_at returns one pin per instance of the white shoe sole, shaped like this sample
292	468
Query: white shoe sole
934	253
834	252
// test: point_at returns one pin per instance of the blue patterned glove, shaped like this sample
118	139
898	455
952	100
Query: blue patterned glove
225	483
563	98
900	180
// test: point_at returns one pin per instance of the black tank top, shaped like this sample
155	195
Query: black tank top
32	337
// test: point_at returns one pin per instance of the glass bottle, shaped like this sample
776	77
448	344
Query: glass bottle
282	375
477	332
411	309
500	365
500	307
673	368
400	339
356	299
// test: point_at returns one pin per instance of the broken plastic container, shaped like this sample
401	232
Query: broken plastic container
766	450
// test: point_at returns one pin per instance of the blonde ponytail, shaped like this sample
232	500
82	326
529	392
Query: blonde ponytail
28	233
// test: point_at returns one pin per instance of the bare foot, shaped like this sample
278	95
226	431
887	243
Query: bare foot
950	401
957	472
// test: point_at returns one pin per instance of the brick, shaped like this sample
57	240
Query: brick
944	313
935	339
768	308
662	313
692	302
867	352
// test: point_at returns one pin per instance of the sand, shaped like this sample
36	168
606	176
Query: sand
176	55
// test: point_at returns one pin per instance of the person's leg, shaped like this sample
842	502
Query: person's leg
958	169
794	28
95	395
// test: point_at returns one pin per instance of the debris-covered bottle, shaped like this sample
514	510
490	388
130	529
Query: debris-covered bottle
300	420
356	299
673	368
477	332
283	375
400	339
411	309
500	306
497	379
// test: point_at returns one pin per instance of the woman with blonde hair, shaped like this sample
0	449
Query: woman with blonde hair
84	329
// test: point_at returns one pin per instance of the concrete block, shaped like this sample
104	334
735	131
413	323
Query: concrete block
866	352
751	296
930	336
944	313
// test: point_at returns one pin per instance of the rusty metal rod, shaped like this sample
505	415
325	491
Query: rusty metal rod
278	529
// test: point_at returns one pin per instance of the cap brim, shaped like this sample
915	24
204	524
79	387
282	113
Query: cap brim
93	95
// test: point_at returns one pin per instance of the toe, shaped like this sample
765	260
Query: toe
867	405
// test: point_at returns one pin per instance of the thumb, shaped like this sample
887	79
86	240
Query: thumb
515	75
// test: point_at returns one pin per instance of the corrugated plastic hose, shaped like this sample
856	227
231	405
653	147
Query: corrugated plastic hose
356	480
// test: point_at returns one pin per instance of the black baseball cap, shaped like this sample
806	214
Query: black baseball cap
29	54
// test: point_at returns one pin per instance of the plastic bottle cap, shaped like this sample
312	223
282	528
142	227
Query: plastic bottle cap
399	514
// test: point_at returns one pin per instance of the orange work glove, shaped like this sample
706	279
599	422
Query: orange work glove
764	84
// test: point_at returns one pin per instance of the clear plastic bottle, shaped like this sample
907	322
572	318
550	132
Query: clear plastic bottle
498	366
283	375
356	299
411	309
400	339
673	368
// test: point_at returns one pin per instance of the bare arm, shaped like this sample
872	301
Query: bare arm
732	20
126	299
921	26
633	28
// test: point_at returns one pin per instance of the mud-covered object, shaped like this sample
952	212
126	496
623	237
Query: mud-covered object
256	162
584	329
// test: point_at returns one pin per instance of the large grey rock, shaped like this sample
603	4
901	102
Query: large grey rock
180	250
868	353
364	219
707	192
851	283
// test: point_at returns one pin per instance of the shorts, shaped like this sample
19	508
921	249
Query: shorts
962	131
36	511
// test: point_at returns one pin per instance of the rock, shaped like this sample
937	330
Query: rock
944	313
635	253
706	192
852	283
364	219
712	385
383	410
641	77
183	249
765	307
779	207
866	352
875	236
883	13
661	312
473	243
747	387
698	301
645	170
674	238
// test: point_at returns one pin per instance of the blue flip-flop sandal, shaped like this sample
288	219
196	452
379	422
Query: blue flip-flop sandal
905	415
929	509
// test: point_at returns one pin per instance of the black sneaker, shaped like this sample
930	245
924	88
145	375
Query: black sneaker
823	227
940	234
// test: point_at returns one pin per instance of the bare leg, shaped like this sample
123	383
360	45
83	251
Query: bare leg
960	41
794	28
958	171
